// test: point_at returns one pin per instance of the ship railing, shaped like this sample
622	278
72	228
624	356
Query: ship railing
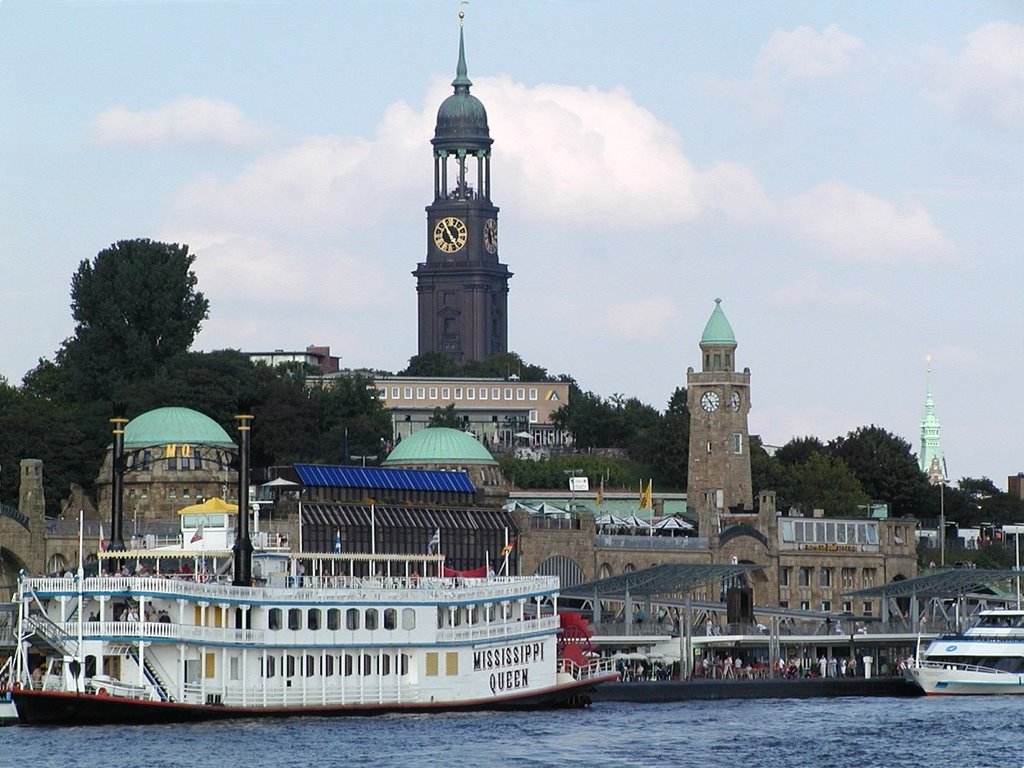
499	630
158	630
595	668
258	695
959	667
107	686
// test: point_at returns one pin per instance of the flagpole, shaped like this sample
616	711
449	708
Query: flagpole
373	528
81	587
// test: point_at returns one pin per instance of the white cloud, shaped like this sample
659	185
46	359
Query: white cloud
188	121
850	223
645	317
811	292
985	82
806	55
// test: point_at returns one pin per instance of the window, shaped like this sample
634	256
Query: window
371	618
737	443
867	608
805	576
483	393
408	618
849	578
394	393
333	618
310	666
471	393
348	664
269	669
805	605
172	494
408	393
289	666
458	393
533	393
313	618
508	393
826	605
184	493
825	577
328	666
274	620
784	577
352	618
421	392
446	393
433	393
383	392
869	578
430	664
520	393
294	618
390	618
533	416
495	393
233	669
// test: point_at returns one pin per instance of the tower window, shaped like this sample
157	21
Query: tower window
737	443
718	360
709	446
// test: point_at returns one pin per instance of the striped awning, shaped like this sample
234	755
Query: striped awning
398	516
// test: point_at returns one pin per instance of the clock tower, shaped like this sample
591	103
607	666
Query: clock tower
462	287
718	399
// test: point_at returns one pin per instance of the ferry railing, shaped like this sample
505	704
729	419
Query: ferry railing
952	665
596	668
504	629
158	630
373	692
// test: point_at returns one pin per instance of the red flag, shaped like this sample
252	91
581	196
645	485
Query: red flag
198	535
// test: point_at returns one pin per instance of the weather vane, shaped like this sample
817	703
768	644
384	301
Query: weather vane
462	14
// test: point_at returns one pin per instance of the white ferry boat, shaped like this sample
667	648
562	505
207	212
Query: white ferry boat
988	658
324	634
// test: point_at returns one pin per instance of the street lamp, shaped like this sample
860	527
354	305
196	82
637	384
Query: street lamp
572	486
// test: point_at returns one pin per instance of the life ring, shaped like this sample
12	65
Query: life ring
101	691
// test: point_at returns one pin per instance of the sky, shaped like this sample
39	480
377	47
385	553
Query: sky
847	177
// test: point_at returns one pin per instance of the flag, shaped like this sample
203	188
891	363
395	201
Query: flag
103	541
198	535
646	495
435	541
337	542
507	549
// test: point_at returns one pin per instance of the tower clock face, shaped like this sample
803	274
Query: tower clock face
450	234
710	401
735	401
491	236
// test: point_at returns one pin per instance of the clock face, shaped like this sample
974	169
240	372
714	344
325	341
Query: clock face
491	236
450	234
735	401
710	401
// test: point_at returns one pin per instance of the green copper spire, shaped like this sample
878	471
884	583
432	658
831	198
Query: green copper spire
931	460
718	332
461	81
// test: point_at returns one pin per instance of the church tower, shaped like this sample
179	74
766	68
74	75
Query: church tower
462	287
931	460
718	399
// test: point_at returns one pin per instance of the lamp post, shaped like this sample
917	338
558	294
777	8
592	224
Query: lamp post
572	486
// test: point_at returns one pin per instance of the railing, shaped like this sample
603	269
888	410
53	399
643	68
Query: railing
595	668
506	629
155	630
611	541
958	667
314	695
787	628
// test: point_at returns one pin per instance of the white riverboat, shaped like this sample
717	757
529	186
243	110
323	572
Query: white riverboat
316	634
988	658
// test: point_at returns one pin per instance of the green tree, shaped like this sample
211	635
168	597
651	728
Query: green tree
799	449
136	307
446	417
665	446
822	482
886	468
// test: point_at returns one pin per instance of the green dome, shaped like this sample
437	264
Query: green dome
718	332
166	426
439	445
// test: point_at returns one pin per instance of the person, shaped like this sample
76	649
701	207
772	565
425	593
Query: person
851	667
300	572
164	617
822	666
832	667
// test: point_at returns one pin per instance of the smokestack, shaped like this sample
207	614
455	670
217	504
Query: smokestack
117	487
243	543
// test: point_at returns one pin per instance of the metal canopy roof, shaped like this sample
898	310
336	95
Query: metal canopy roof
370	478
659	579
956	581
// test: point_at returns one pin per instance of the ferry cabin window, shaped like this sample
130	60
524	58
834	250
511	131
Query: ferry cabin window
403	664
268	666
430	666
385	665
310	666
294	618
313	618
333	618
390	618
328	666
352	619
451	664
234	672
371	618
289	666
366	665
347	664
408	618
274	619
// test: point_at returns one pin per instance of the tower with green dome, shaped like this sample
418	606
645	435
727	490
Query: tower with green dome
462	287
718	398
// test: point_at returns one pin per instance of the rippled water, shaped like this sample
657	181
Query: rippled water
970	732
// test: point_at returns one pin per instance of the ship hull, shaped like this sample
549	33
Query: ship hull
60	708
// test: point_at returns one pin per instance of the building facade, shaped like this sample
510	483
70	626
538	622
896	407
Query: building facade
462	287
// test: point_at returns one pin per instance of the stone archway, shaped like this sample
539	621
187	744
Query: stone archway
566	569
10	566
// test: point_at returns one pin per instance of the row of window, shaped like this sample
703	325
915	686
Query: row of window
355	618
344	665
805	577
828	532
826	606
461	393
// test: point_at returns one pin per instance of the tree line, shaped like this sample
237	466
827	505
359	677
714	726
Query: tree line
137	311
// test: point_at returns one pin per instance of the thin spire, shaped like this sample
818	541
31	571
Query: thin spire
461	81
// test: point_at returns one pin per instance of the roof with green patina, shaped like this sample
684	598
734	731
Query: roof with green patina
439	445
173	425
718	332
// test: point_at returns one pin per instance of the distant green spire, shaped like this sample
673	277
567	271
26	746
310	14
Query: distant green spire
718	332
931	461
461	81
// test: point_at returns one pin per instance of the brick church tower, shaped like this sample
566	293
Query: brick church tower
719	402
462	287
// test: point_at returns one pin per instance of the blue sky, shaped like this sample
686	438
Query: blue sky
847	177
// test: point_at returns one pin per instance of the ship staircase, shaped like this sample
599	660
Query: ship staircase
149	671
44	635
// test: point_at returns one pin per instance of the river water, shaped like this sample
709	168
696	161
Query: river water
968	732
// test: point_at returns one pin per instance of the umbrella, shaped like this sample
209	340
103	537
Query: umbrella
278	482
524	435
550	510
612	520
635	522
673	524
215	504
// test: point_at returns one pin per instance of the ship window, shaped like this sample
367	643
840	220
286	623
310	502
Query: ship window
348	664
289	666
366	665
274	619
234	672
390	618
408	618
385	665
451	664
352	618
210	669
328	666
371	618
310	666
430	664
403	664
442	617
313	618
269	670
294	618
333	618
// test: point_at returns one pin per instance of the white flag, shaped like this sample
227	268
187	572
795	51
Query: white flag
435	542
